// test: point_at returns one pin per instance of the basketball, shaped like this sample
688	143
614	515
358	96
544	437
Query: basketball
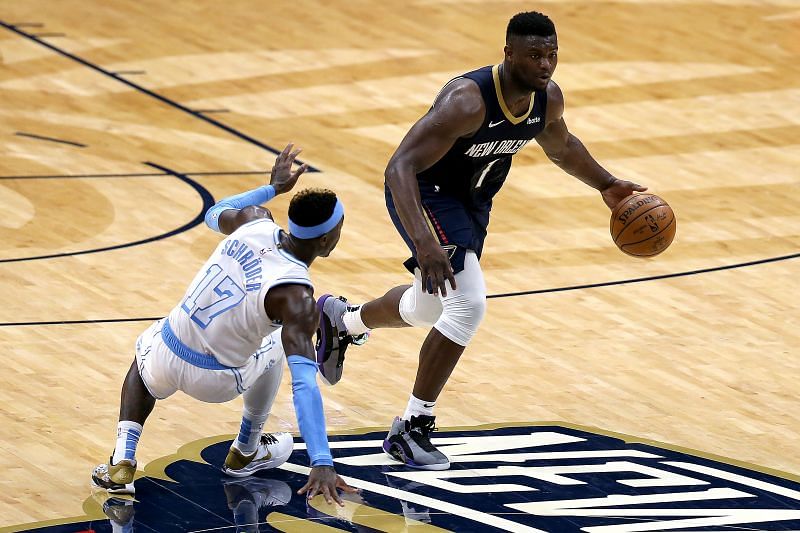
642	225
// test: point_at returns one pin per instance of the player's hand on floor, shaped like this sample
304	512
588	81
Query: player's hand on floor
281	175
435	267
619	190
324	480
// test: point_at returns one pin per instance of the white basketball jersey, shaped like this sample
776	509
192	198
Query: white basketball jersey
222	313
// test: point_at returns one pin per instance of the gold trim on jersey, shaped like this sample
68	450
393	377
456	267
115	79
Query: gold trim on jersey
511	118
430	224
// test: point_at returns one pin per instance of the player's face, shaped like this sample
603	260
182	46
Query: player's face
533	59
333	238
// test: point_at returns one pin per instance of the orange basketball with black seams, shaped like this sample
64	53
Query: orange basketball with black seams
643	225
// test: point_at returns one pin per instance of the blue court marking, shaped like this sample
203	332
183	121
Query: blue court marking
206	197
148	92
196	496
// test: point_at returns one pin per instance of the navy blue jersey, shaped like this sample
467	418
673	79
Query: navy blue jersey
474	169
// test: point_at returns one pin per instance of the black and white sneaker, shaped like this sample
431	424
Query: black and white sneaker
332	337
409	442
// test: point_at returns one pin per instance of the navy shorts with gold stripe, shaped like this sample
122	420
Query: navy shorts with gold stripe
457	226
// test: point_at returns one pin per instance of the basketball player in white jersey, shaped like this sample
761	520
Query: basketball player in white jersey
249	307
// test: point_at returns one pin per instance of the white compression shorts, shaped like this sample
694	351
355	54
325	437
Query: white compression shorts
457	315
164	373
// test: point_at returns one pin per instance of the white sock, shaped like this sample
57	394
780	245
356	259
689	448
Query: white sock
353	323
128	434
250	432
417	407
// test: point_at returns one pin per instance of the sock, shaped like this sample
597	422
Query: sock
128	434
352	321
417	407
250	432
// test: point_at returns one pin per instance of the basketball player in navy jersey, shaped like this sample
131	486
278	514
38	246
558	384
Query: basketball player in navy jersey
439	188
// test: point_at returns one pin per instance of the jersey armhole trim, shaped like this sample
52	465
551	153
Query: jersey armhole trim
278	283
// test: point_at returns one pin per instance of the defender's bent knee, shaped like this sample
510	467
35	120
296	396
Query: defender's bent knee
464	309
419	309
461	316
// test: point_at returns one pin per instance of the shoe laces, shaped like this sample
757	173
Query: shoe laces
268	438
423	425
358	340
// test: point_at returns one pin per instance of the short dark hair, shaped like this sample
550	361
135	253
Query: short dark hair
530	23
310	207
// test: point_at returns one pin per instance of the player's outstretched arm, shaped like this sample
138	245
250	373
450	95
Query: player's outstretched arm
227	215
569	153
294	305
457	112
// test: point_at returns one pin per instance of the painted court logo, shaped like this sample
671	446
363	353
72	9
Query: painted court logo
522	479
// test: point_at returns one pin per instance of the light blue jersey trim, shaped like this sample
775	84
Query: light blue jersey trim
285	254
200	360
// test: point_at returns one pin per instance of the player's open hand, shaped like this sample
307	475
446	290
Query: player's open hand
281	176
618	191
324	480
435	267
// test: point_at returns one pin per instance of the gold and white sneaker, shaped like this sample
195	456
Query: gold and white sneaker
116	479
273	450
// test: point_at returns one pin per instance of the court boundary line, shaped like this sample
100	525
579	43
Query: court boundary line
648	278
49	139
135	175
148	92
206	197
503	295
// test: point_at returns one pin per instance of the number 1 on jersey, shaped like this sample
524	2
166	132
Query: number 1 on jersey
485	171
223	296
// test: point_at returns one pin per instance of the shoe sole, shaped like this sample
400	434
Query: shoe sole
249	470
324	335
129	488
397	453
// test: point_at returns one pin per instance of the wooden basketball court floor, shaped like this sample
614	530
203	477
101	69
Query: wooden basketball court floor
120	118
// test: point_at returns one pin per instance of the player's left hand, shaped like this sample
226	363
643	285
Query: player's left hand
324	480
618	191
281	176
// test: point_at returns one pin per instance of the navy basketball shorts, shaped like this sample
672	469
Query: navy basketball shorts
457	227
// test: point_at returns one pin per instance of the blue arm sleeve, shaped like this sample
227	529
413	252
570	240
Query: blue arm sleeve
308	408
258	196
